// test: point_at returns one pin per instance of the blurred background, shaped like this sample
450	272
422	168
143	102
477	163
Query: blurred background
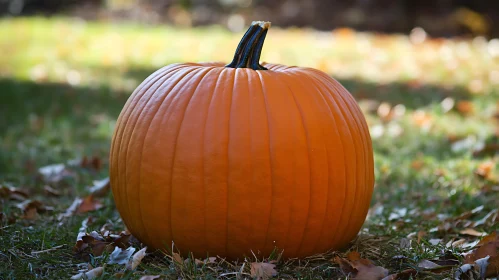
438	18
425	73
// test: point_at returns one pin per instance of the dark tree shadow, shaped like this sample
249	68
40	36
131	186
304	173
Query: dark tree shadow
73	110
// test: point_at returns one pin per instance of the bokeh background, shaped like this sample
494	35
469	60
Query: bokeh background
439	17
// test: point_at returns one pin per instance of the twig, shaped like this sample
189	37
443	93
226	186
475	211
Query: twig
47	250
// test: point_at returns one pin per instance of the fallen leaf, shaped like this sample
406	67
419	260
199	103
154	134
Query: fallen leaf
466	269
13	193
487	219
88	204
493	237
262	271
71	209
85	223
361	269
368	271
468	214
472	232
94	162
120	256
122	240
353	256
481	265
55	173
96	244
100	188
405	243
490	250
31	208
426	264
136	259
91	244
492	268
92	274
345	265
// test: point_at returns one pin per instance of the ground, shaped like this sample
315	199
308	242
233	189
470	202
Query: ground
432	106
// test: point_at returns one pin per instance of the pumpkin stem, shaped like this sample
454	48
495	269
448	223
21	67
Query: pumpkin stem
250	47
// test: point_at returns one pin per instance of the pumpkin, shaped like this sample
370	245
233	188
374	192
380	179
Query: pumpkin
243	158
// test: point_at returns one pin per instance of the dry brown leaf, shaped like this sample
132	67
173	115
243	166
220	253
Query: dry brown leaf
353	256
492	269
488	249
485	267
88	204
468	214
361	269
13	193
92	274
31	208
94	162
100	188
122	240
345	265
368	271
493	237
262	271
488	219
472	232
96	244
136	259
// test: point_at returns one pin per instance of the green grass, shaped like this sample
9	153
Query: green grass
63	83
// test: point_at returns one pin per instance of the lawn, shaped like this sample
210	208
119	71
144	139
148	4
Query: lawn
432	106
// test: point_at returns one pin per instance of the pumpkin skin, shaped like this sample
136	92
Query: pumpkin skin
229	161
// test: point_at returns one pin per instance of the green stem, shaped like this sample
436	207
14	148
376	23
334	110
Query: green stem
250	47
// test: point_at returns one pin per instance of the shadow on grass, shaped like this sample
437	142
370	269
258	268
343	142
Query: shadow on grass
66	121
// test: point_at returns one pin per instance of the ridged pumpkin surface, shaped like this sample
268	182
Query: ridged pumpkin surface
227	161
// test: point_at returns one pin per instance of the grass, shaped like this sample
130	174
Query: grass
64	82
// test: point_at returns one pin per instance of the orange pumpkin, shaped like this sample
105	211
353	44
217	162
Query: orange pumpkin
230	160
